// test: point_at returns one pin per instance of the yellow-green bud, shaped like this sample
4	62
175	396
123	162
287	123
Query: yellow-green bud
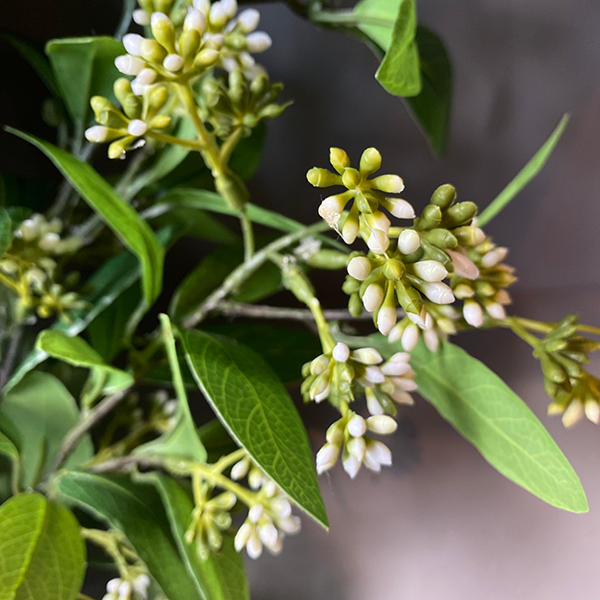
117	149
339	159
157	97
393	269
460	214
351	178
259	85
206	57
390	184
189	43
322	177
355	305
370	161
163	31
163	6
328	259
122	89
442	238
132	106
152	51
160	122
444	196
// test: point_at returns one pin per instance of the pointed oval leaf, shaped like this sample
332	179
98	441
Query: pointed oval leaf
42	554
258	412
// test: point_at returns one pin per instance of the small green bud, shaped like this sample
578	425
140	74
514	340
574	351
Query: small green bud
430	217
236	41
444	196
296	281
272	111
468	236
122	89
163	6
322	177
160	122
442	238
157	97
570	366
552	371
118	149
355	305
393	269
370	161
350	285
189	43
206	57
152	51
460	214
259	85
328	259
339	160
351	178
409	298
366	203
390	184
132	106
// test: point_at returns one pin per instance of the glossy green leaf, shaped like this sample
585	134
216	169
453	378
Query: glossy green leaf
136	510
432	106
485	411
42	554
84	67
258	412
222	576
525	175
134	232
183	440
5	231
43	411
376	19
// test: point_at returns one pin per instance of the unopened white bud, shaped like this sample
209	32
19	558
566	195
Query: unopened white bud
254	545
125	591
357	426
146	76
290	525
356	447
259	41
129	65
141	17
409	241
378	241
494	257
195	19
402	397
350	230
96	134
133	44
173	62
395	368
230	7
268	535
112	586
352	466
396	333
202	5
372	297
137	127
255	513
431	339
472	313
359	267
463	265
140	585
373	405
367	356
410	337
592	411
248	20
330	209
386	319
430	270
404	384
242	536
382	425
420	318
495	310
49	242
379	221
379	452
217	16
341	352
439	293
374	374
573	414
401	209
240	469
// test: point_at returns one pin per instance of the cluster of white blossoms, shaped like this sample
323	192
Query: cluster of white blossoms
269	518
128	589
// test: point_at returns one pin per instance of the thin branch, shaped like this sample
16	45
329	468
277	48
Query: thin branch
11	355
124	463
86	423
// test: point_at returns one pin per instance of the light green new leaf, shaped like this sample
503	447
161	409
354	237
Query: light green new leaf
525	175
8	449
129	227
5	231
84	67
182	440
135	510
42	554
42	410
432	107
258	412
222	575
485	411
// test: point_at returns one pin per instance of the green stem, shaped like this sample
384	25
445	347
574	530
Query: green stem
229	460
348	18
517	329
170	139
108	542
248	233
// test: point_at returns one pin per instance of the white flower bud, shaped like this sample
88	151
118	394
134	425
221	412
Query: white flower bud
133	44
573	414
399	357
379	221
49	242
281	507
439	293
373	405
495	310
382	425
592	411
173	62
141	17
195	19
96	134
463	290
125	590
431	339
420	318
268	535
112	586
350	230
256	478
463	265
129	65
386	319
494	257
472	313
409	241
402	397
248	20
374	374
202	5
240	469
395	368
331	208
359	267
372	297
290	525
356	426
401	209
255	513
406	385
140	586
356	447
367	356
396	333
351	466
259	41
242	536
146	77
379	453
254	545
378	241
323	395
217	15
230	7
341	352
430	270
410	337
137	127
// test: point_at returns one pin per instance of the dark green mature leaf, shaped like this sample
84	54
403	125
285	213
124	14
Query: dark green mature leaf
432	107
247	155
222	576
399	71
525	175
125	222
5	231
135	510
42	410
258	412
84	67
485	411
42	554
183	440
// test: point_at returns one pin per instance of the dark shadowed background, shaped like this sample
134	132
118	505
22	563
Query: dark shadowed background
441	523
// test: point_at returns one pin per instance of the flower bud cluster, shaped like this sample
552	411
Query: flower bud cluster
133	587
575	392
347	437
485	294
30	267
126	128
235	102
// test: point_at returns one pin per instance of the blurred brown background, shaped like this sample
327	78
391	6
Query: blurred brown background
441	523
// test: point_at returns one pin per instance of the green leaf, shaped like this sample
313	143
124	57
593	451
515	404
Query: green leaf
129	227
485	411
84	67
10	450
183	440
399	71
5	231
222	576
247	155
42	554
525	175
135	510
432	107
376	19
210	274
258	412
42	410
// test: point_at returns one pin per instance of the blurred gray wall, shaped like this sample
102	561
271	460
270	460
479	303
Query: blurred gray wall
441	523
